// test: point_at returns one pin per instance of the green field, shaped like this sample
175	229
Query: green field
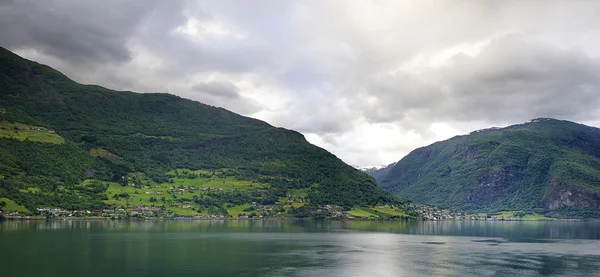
136	196
11	206
360	212
181	211
28	132
179	191
142	196
217	181
294	204
388	211
226	184
514	214
377	212
299	198
236	210
536	216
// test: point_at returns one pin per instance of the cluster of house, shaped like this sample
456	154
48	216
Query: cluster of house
427	212
182	189
432	213
14	213
18	128
116	213
58	212
211	189
268	210
334	211
179	190
176	190
201	217
147	210
295	198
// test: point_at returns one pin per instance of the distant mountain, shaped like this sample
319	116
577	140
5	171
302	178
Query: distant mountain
547	165
57	137
378	172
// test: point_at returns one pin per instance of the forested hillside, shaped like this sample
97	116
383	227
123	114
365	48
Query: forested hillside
547	166
57	136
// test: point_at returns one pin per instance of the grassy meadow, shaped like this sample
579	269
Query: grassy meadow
177	195
28	132
377	212
11	206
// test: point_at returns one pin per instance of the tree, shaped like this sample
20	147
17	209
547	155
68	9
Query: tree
301	212
124	181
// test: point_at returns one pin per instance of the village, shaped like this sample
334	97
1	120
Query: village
19	128
426	212
182	198
257	211
254	211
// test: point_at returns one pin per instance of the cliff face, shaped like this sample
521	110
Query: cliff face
545	164
563	195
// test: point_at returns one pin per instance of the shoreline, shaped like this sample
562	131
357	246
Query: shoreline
36	218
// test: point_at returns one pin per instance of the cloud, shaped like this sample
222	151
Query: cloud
511	80
218	89
367	80
76	31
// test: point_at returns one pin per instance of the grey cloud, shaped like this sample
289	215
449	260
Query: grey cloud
515	79
240	104
397	96
218	89
223	94
510	80
320	116
75	31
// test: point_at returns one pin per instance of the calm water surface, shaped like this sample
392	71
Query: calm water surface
298	248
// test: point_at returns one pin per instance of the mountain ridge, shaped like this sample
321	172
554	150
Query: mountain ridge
548	165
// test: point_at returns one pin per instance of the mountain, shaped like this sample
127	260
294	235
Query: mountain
546	165
378	172
65	144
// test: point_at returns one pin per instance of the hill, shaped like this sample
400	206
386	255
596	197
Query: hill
545	166
74	146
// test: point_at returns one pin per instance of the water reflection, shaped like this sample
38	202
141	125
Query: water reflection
299	248
404	255
513	230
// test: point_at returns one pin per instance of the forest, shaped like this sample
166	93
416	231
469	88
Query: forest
57	133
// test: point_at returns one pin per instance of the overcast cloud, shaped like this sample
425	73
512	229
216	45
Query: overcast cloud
367	80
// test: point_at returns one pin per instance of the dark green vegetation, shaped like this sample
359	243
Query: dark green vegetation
546	166
57	133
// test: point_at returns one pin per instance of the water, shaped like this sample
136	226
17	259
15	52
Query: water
298	248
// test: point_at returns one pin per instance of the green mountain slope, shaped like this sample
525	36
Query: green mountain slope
56	133
549	165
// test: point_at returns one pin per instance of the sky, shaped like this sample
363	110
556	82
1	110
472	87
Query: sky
367	80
